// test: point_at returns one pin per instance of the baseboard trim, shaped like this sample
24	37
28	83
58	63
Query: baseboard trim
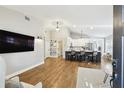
53	56
24	70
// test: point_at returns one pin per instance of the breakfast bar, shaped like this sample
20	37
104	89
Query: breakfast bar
92	56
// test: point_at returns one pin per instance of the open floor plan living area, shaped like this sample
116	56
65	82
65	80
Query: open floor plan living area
61	46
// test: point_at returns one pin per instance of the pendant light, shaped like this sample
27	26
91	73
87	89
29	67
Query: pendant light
57	26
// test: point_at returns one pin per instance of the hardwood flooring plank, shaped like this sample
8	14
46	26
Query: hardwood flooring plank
56	73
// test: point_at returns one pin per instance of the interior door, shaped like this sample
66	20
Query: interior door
118	46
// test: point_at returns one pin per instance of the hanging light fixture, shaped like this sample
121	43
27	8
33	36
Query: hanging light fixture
57	26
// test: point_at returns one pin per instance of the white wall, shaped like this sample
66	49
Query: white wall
14	21
2	72
109	44
47	48
47	44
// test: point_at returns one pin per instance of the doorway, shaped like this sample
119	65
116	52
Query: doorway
60	48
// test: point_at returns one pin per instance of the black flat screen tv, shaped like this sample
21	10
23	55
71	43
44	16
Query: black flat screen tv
14	42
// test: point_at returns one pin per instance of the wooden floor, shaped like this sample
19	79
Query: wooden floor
56	73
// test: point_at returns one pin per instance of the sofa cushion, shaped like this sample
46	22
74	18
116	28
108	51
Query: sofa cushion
12	83
15	83
27	85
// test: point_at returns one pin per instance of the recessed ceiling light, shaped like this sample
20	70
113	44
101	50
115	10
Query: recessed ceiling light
74	26
91	27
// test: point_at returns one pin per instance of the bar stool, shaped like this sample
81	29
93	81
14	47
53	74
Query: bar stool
69	56
73	55
90	57
78	56
82	56
95	53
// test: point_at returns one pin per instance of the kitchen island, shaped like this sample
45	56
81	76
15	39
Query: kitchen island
93	56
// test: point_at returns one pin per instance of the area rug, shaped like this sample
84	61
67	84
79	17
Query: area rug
91	78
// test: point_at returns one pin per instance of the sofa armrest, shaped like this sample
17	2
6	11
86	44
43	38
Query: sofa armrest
27	85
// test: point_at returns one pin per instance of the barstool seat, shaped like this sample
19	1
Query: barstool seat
90	57
73	55
82	56
95	53
69	56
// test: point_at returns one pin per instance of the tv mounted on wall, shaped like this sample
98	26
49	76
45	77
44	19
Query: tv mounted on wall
14	42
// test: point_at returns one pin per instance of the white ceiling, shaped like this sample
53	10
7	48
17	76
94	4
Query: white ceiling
94	20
